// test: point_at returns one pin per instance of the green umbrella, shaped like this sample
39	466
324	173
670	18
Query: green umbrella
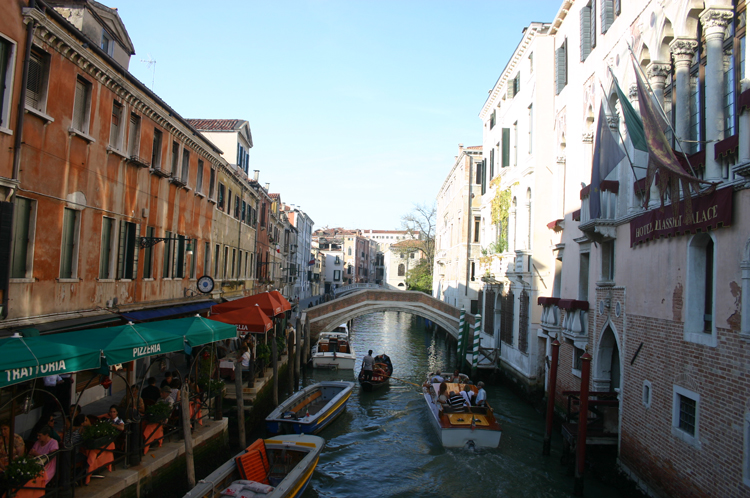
26	358
123	343
196	330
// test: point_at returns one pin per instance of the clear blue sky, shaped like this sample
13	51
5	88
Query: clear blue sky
356	107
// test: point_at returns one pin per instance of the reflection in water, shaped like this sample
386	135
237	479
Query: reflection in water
384	446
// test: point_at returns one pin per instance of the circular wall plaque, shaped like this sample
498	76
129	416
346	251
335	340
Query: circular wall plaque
205	284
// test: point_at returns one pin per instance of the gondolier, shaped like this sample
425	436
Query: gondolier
367	363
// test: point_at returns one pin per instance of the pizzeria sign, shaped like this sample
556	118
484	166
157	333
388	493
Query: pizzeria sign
712	211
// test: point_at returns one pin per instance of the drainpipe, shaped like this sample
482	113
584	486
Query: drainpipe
30	27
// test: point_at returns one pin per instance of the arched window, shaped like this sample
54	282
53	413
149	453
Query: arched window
701	289
401	270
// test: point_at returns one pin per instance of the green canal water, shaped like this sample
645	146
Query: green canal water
384	446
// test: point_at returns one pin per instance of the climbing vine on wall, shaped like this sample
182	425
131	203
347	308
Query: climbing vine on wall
500	215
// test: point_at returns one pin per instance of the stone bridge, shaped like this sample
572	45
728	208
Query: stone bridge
327	316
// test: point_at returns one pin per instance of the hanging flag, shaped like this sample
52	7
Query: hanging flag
607	155
632	120
311	262
661	158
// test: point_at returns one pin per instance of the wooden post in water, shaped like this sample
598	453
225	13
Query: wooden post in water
240	402
475	353
583	415
551	387
297	350
275	363
290	346
185	406
461	320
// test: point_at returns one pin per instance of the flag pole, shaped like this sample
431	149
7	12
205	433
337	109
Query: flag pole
663	113
612	112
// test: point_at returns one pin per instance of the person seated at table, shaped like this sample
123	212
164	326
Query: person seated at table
167	379
111	417
79	425
44	446
151	392
47	421
175	390
19	447
166	396
129	401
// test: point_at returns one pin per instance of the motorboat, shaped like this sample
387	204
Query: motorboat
311	409
334	350
280	467
474	426
381	374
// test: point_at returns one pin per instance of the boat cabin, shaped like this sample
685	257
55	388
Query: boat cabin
330	342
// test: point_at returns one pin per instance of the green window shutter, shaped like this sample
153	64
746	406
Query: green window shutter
617	7
517	84
506	147
121	249
21	237
484	176
106	248
585	25
592	23
492	163
607	12
167	262
131	250
68	243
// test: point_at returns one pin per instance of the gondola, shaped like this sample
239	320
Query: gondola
381	374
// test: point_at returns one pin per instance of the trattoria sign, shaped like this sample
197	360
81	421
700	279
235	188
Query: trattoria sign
709	211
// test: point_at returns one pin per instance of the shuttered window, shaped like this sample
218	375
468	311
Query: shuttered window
127	251
81	106
69	247
22	234
588	29
148	256
492	163
561	67
105	252
175	158
194	245
156	150
484	176
492	119
168	253
36	85
206	258
115	129
506	147
607	13
134	135
180	261
185	166
6	59
199	179
211	182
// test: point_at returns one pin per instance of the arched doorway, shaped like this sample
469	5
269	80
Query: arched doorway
607	372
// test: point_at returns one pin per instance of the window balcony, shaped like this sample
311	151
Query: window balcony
550	314
575	322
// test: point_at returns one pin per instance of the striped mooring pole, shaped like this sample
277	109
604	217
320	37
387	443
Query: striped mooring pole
475	352
459	357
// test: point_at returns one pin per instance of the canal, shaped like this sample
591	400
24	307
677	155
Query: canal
384	446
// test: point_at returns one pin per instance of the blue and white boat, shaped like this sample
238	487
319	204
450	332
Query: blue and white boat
311	409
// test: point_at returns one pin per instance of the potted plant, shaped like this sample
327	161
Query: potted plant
99	435
214	386
262	355
158	412
20	471
280	344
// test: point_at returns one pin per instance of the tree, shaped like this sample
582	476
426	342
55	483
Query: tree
420	224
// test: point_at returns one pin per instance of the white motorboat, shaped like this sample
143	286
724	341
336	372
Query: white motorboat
334	350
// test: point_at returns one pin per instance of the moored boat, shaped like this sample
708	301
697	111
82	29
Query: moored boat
311	409
457	428
334	350
381	374
281	466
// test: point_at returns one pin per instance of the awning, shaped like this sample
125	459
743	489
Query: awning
248	319
195	330
151	314
123	343
285	305
268	304
26	358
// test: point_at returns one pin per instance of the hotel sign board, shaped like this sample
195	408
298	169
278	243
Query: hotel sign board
709	211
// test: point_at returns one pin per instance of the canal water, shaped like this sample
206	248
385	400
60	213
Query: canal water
384	446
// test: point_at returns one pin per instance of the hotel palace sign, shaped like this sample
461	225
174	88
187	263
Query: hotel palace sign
709	212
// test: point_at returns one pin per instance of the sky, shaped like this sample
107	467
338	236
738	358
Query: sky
356	107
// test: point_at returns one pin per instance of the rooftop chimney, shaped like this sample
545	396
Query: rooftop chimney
268	187
256	174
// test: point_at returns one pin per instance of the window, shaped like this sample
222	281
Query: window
168	255
229	203
506	147
217	255
134	135
577	353
583	276
156	150
82	106
237	207
224	274
514	85
401	269
588	29
207	259
7	57
686	415
69	250
36	86
531	63
531	128
185	166
239	266
473	271
561	67
199	179
243	214
607	12
478	174
336	275
105	252
608	260
193	245
477	224
211	182
115	128
221	196
492	163
484	176
646	398
23	243
179	258
349	251
108	44
175	158
492	119
148	256
701	285
234	263
127	252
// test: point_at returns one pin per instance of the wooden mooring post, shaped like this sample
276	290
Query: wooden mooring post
551	388
185	405
583	415
240	402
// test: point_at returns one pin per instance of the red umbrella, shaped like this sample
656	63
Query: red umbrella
268	304
285	305
248	319
237	304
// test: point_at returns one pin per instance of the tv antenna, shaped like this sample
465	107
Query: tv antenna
151	65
